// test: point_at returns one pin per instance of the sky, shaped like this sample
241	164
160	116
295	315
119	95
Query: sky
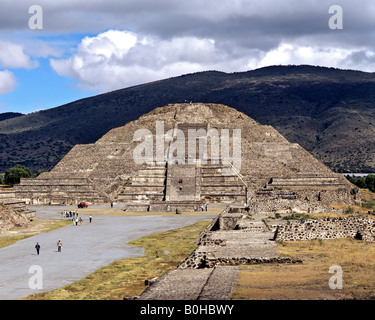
65	50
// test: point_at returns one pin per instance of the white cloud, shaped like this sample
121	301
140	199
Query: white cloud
116	59
313	55
12	55
110	44
7	81
174	37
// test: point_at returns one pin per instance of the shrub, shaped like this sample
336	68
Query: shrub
363	182
370	182
349	210
13	175
297	216
369	204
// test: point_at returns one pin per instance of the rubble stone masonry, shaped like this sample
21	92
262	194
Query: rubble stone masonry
360	228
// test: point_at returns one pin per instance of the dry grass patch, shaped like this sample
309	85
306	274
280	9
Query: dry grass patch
310	279
163	251
37	226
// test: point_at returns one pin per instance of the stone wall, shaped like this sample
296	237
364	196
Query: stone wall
288	206
360	228
228	221
14	215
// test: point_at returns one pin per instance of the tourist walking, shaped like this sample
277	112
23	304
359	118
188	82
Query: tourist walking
37	248
59	245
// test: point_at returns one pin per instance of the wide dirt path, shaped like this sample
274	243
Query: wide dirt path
86	248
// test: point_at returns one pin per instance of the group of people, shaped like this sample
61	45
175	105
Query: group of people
79	220
74	216
202	208
76	220
69	213
59	245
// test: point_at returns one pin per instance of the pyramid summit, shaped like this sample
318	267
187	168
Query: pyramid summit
186	155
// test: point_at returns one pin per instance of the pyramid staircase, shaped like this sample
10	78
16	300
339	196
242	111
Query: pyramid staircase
147	184
221	183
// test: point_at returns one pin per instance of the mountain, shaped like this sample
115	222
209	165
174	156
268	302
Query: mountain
329	112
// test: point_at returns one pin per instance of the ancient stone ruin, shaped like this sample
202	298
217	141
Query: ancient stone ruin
274	174
234	239
13	212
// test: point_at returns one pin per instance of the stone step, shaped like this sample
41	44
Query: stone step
140	196
142	176
224	193
151	172
142	189
223	185
302	181
148	184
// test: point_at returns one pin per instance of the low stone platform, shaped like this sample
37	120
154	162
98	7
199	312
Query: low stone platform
193	284
236	247
178	284
211	271
167	206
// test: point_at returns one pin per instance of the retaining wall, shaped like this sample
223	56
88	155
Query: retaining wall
360	228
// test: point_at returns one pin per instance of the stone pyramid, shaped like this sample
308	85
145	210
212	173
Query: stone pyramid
175	157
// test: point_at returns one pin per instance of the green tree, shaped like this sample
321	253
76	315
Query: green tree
13	175
361	183
370	182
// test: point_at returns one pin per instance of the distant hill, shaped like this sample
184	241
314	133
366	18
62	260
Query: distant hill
9	115
330	112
